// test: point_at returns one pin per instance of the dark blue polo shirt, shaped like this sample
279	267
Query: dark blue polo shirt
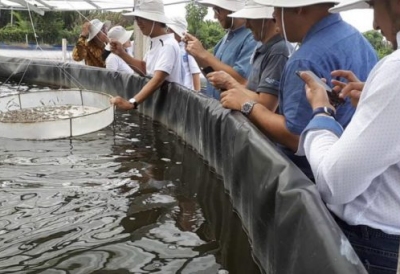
329	45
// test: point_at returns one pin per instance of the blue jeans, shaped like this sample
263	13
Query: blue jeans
377	250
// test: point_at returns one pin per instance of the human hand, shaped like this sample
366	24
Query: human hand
85	28
221	80
316	93
194	46
121	103
351	89
234	98
116	47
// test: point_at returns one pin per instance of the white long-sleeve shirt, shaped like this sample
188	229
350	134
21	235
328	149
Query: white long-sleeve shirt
358	173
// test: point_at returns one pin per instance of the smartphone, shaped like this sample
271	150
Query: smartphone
207	70
334	98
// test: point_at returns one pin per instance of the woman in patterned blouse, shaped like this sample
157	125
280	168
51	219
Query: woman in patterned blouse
91	43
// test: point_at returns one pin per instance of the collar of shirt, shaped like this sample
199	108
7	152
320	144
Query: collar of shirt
237	31
324	23
155	41
264	47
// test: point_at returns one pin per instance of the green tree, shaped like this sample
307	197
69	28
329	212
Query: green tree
208	32
195	17
381	46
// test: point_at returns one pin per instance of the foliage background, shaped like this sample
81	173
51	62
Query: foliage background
53	26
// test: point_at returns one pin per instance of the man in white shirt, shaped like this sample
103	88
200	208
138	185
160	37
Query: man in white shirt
162	62
357	170
113	61
190	68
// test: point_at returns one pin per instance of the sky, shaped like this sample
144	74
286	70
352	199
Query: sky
361	19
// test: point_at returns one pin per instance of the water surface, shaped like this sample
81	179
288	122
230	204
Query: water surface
128	199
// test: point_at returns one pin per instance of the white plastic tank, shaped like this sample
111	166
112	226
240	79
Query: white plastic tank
54	114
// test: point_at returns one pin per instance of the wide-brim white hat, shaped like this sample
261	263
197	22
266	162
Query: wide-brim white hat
178	25
231	5
152	10
350	5
95	27
254	11
120	34
177	29
293	3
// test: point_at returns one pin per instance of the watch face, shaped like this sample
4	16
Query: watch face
247	107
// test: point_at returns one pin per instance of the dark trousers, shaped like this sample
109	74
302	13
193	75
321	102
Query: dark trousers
377	250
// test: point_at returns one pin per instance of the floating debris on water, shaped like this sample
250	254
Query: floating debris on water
45	113
165	159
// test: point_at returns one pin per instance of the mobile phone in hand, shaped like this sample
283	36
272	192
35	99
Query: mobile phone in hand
207	70
334	98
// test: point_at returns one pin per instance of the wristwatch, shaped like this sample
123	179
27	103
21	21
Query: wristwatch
324	110
247	107
134	103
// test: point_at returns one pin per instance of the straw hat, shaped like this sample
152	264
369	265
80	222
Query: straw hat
350	5
95	27
178	25
293	3
152	10
120	34
231	5
252	10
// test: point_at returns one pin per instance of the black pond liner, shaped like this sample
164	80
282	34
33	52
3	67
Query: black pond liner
289	227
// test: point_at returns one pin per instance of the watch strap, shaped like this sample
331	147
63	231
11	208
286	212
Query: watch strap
134	103
324	110
247	107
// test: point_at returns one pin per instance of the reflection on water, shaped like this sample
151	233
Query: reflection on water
127	199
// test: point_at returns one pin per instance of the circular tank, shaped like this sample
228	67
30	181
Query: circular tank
54	114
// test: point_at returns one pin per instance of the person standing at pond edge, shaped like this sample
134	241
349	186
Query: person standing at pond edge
162	62
268	60
91	43
357	170
190	69
233	52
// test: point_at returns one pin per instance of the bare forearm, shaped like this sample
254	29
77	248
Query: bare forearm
210	60
155	82
196	81
274	127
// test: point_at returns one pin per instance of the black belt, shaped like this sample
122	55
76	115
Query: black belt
365	231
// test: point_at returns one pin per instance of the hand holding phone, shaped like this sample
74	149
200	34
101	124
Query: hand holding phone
334	98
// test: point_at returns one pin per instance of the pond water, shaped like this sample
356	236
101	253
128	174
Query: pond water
131	198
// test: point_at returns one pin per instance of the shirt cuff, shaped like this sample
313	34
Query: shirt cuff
319	123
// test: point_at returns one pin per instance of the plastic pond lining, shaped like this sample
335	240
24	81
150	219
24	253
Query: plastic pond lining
289	226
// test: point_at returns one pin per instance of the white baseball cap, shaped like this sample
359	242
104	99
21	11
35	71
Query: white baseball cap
95	27
293	3
152	10
178	25
350	5
252	10
231	5
120	34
